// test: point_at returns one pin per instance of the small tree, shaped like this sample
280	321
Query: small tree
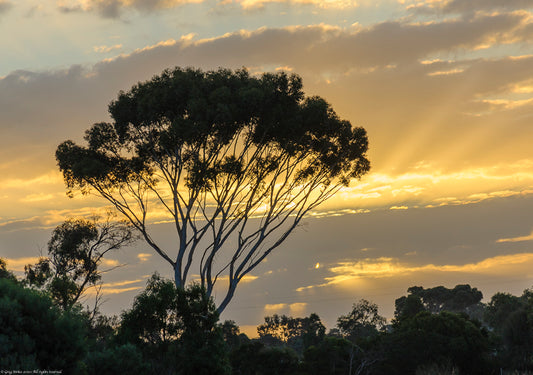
75	252
5	273
234	161
362	321
360	327
176	329
297	333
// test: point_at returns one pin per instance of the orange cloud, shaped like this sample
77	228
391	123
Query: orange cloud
17	264
385	267
116	287
38	197
271	308
143	257
110	262
294	309
517	239
245	279
297	308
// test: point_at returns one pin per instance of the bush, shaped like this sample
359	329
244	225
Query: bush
34	334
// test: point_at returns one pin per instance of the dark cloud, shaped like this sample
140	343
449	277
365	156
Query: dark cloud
321	47
109	8
5	5
114	8
30	224
471	6
70	9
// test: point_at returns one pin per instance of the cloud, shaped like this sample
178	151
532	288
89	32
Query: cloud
143	257
106	49
323	47
5	5
22	224
388	267
114	8
110	262
38	197
431	187
529	237
468	6
293	309
49	219
386	77
116	287
36	9
50	178
272	307
246	279
17	264
297	308
324	4
81	95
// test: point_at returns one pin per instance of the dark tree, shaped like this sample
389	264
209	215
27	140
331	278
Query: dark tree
75	252
35	334
500	307
361	328
116	360
332	356
254	358
235	161
4	273
297	333
437	340
462	298
153	319
511	319
362	321
407	307
176	329
232	335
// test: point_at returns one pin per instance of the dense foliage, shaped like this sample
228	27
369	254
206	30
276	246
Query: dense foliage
35	334
170	330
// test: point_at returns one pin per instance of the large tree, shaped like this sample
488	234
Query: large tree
235	161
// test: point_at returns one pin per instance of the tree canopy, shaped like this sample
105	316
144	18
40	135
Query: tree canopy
462	298
235	161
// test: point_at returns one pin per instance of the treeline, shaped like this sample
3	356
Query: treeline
171	331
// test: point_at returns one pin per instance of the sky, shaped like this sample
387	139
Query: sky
444	89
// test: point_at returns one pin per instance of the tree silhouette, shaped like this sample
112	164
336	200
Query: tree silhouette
234	161
362	321
75	252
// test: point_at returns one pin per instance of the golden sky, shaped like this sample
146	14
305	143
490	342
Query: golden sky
443	87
